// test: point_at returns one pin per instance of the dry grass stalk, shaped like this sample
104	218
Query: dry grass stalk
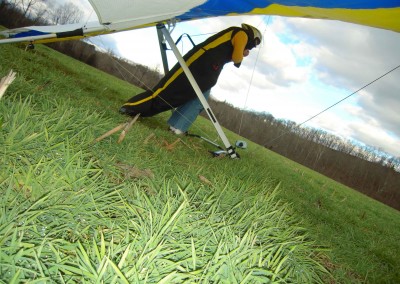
6	81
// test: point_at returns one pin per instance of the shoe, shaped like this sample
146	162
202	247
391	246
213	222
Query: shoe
176	131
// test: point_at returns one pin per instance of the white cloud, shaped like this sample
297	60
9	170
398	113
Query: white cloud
140	46
348	57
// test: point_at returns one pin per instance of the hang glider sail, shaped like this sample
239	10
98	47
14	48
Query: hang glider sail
128	14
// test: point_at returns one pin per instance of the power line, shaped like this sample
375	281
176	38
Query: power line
345	98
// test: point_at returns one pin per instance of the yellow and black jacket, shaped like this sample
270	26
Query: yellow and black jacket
205	61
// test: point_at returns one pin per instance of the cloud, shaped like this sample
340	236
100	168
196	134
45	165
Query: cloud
352	56
140	46
384	104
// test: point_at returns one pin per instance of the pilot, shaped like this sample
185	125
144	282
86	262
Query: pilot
205	61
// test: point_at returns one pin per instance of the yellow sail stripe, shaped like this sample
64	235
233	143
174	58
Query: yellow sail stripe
384	18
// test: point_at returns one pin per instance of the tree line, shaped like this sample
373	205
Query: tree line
363	168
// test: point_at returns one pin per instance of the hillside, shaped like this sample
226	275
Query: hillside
160	209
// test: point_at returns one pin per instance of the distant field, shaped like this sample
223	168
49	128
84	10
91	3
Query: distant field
151	210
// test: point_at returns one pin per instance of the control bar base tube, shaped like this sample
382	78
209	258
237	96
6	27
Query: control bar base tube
207	108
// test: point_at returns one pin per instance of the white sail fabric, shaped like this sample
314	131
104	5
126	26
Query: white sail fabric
140	12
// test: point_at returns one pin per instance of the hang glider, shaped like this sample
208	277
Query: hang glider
134	14
128	14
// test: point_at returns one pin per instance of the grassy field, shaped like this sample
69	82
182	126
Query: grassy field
157	209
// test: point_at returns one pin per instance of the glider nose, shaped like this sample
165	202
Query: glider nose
123	110
126	110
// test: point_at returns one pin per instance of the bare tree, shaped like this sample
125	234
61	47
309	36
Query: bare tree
26	6
66	14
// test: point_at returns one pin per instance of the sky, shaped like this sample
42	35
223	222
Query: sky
302	67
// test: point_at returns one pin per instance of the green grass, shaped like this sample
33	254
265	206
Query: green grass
76	211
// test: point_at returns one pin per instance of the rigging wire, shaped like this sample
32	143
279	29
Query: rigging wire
89	16
251	78
326	109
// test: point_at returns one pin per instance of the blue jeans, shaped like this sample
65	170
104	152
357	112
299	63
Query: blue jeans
183	117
